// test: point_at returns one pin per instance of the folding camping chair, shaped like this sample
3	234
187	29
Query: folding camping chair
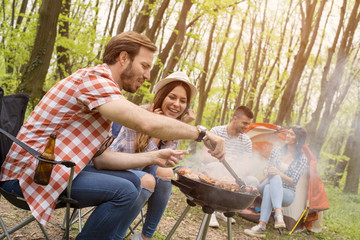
12	112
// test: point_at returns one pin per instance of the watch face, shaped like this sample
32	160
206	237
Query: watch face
202	132
202	128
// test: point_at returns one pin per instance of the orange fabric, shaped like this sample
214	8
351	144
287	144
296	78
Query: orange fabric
316	195
262	147
310	218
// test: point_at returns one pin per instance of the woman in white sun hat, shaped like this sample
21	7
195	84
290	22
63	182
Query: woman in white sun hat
172	99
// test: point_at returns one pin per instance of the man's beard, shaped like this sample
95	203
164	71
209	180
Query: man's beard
128	76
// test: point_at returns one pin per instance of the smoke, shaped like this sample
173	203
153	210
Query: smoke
200	160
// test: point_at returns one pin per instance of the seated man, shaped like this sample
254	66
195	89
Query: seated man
238	149
80	110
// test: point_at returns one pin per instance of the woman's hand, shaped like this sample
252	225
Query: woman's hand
168	157
274	171
157	110
189	116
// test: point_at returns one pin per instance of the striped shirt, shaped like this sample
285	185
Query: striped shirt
69	110
234	145
238	150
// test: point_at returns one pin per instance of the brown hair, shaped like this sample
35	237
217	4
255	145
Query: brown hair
300	134
129	42
142	140
243	110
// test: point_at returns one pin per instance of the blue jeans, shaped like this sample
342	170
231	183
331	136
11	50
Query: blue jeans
156	203
113	195
132	209
273	196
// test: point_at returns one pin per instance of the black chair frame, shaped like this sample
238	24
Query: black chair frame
63	201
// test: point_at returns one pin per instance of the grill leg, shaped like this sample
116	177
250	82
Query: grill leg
204	227
205	222
190	204
228	215
229	228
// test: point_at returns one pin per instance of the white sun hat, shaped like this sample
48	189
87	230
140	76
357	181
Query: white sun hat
177	76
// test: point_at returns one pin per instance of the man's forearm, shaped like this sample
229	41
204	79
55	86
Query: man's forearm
121	161
155	125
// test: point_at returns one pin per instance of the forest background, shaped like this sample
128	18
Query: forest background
290	61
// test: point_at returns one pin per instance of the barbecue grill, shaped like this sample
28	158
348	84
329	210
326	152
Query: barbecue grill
211	198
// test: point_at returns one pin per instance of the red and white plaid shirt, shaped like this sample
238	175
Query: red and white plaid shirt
69	110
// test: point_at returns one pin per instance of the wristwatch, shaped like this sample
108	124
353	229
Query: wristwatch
202	133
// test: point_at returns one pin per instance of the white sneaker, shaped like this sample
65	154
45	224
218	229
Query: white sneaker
137	236
213	222
222	217
279	221
256	231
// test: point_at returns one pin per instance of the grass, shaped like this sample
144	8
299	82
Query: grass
342	219
340	222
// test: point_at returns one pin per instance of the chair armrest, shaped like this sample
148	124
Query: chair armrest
67	164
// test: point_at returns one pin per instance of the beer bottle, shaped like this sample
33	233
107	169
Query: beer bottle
43	169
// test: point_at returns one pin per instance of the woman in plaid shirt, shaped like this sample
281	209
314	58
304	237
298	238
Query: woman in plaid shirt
172	99
282	171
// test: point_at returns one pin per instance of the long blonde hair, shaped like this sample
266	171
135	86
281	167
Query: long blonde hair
142	140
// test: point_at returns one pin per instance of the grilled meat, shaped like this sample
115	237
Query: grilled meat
224	183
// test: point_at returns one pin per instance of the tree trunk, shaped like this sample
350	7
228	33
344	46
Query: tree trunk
13	13
307	29
257	65
318	128
21	13
63	62
307	91
157	20
279	88
124	17
9	60
265	81
353	152
163	55
202	79
142	19
106	31
238	100
175	55
226	100
231	73
313	124
216	66
35	71
271	70
30	14
117	5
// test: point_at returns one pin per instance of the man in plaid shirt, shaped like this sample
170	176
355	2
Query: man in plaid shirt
80	110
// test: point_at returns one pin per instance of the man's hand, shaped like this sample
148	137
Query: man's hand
168	157
216	146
